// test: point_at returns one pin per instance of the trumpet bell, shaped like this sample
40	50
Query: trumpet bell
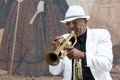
52	58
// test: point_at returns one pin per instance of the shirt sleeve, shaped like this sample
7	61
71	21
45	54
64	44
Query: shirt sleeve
55	70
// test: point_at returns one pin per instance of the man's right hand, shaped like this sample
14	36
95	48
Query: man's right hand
56	42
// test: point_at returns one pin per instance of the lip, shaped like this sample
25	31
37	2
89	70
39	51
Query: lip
77	32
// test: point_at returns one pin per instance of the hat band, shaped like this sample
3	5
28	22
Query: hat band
73	16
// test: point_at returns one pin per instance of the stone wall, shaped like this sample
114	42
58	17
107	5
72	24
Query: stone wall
1	34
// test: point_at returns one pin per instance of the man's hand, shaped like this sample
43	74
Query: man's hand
74	53
56	42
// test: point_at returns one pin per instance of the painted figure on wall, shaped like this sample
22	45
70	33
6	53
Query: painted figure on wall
24	44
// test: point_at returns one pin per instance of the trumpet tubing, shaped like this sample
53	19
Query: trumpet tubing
53	57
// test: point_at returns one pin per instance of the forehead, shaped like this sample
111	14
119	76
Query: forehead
79	19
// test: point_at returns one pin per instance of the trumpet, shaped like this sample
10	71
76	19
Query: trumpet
53	57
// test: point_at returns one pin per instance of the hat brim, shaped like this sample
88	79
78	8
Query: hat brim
71	19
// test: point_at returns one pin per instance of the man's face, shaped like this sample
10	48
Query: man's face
78	26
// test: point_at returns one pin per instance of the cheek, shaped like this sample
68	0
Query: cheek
69	28
82	26
79	26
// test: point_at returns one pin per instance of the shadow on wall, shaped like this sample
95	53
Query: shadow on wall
116	54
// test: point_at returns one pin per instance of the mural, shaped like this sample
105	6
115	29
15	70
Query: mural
28	33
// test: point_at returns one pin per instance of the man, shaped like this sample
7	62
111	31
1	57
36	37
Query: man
93	47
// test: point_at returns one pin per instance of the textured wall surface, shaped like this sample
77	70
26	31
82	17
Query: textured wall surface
104	14
86	4
26	44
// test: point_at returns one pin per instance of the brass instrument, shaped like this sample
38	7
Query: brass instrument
53	58
77	70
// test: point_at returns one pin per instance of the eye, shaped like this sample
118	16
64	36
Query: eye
75	22
68	23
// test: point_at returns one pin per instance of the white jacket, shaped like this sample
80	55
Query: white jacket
98	55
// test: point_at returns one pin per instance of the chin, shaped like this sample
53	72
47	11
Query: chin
78	34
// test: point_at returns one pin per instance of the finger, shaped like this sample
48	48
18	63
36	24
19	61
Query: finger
68	48
56	39
70	55
55	44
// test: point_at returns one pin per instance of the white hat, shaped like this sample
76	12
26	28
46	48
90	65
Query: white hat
74	12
